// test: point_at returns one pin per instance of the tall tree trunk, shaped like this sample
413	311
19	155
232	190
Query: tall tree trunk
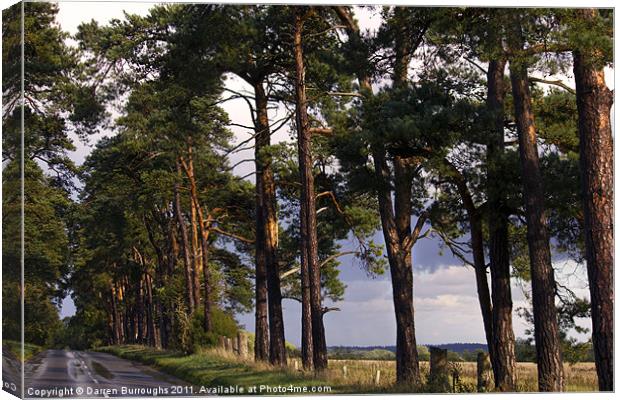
164	332
307	348
399	256
188	167
502	345
261	328
261	324
401	269
482	284
115	317
309	235
121	330
151	329
189	286
139	302
196	248
202	226
129	319
267	227
159	308
546	331
206	277
594	101
171	258
477	245
112	329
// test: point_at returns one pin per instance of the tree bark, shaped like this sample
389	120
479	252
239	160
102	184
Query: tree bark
261	329
594	101
309	234
116	329
401	269
267	227
201	223
477	245
151	329
307	347
407	362
169	227
546	331
158	305
206	277
189	286
502	345
196	248
139	302
399	258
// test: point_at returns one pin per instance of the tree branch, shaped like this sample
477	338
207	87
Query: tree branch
238	163
556	83
231	235
456	250
323	263
331	28
475	64
345	94
415	234
320	131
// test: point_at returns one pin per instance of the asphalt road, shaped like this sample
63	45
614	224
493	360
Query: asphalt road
67	373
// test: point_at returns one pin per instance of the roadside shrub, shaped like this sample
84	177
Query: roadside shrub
183	326
291	350
222	324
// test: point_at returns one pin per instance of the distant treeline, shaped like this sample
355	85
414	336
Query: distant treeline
524	352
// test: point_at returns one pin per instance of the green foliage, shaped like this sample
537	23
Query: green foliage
49	67
589	36
525	351
345	353
84	330
574	352
46	251
211	370
571	309
291	349
126	206
13	349
556	120
167	72
48	60
424	354
344	215
223	324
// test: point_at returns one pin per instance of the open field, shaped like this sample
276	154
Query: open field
580	377
215	367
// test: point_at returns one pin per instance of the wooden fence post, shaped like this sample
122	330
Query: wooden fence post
378	377
344	371
439	379
222	342
242	340
229	344
483	368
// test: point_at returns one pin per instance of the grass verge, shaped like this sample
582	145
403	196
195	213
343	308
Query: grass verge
15	348
213	368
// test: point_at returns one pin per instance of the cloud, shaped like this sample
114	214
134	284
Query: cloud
446	310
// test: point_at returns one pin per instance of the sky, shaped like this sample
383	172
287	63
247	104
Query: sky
445	299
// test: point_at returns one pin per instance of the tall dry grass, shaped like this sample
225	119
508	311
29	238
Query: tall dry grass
361	374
